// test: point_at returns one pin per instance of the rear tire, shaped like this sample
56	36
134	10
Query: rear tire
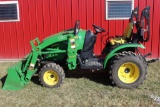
51	75
128	70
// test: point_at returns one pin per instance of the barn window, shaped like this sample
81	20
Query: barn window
119	9
9	11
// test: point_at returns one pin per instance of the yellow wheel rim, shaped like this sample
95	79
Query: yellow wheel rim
51	77
128	72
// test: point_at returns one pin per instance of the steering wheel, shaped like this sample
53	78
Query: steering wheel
98	29
76	27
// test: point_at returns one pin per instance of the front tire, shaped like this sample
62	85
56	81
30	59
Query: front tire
128	70
51	75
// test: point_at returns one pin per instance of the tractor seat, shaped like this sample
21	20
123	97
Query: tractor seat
126	36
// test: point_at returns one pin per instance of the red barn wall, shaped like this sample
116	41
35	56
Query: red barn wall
41	18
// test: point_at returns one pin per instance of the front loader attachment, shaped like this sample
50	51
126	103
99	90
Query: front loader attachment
14	79
20	74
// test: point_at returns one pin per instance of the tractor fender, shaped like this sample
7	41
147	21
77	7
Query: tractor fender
114	51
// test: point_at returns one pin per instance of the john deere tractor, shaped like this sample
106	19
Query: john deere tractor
74	48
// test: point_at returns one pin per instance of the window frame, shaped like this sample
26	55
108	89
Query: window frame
18	16
117	18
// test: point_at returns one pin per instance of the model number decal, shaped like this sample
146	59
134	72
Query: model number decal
61	37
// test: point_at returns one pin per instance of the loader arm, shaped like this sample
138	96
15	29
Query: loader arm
37	48
20	74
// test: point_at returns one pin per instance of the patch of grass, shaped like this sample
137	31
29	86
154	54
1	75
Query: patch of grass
83	89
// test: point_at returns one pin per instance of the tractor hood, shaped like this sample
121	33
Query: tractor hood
60	36
63	36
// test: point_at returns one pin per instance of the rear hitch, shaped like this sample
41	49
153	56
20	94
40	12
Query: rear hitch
148	54
153	60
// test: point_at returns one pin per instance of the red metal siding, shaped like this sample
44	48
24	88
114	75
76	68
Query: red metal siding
20	37
68	13
155	28
41	18
149	44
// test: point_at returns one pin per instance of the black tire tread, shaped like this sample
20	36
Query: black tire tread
118	57
57	68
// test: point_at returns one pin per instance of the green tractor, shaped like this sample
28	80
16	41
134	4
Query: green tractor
73	48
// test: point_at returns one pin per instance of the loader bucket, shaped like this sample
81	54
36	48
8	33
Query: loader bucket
14	79
16	74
